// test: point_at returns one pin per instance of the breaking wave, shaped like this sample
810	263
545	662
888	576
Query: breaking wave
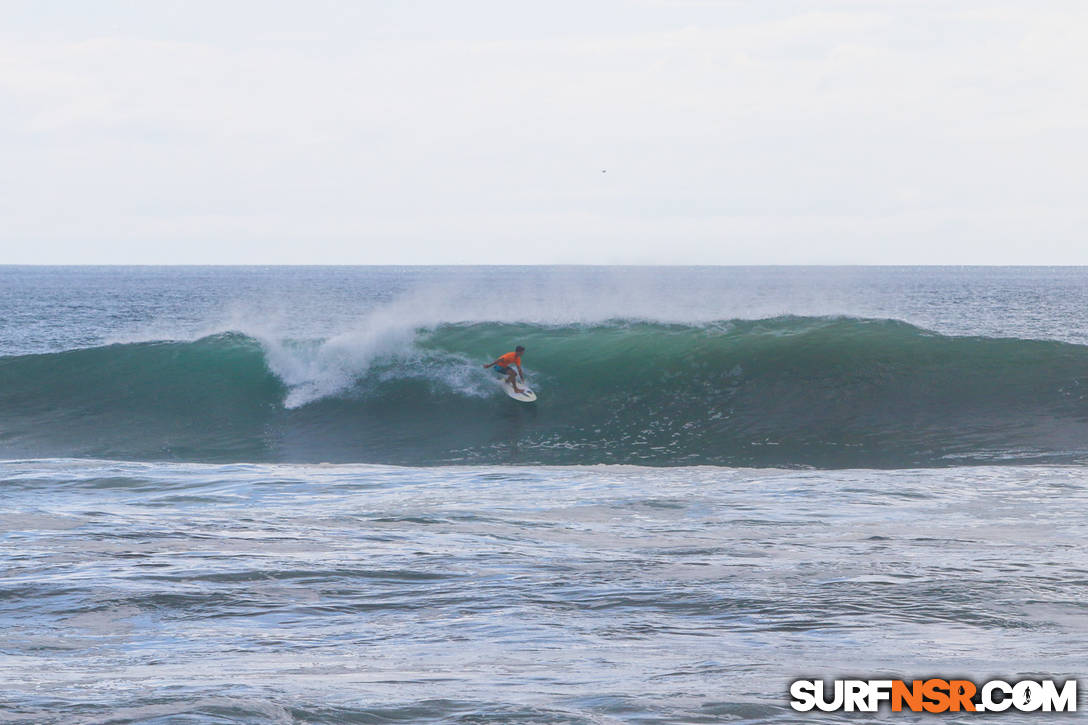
827	392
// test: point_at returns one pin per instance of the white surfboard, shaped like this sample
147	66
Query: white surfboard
525	396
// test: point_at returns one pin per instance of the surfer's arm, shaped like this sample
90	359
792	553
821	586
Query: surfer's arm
491	364
520	373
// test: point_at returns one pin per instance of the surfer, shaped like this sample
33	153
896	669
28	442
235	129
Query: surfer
504	365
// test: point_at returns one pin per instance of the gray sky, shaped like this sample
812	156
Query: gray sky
439	132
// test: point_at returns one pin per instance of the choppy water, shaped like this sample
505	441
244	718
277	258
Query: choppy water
256	593
174	552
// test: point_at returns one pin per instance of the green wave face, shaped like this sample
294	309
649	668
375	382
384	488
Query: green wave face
823	392
210	399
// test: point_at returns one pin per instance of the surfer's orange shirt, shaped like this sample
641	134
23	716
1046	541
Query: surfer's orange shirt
510	358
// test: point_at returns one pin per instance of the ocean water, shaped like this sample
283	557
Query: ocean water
251	495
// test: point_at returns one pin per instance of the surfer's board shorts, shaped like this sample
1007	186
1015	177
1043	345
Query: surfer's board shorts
502	370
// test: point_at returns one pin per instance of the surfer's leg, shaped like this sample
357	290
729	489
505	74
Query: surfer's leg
512	379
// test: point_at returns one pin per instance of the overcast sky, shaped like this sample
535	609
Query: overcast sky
441	132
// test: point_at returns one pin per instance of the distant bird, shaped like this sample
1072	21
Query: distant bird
604	171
